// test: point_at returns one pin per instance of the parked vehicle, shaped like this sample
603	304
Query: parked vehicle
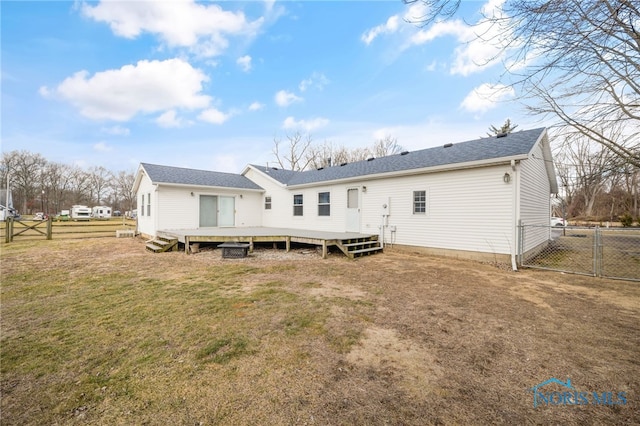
79	212
39	216
558	221
63	216
101	212
7	213
117	213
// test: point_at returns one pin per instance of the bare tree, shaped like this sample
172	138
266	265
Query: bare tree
386	146
123	185
57	183
25	169
294	155
577	61
101	183
323	155
590	168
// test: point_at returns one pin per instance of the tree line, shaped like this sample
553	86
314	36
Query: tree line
40	185
298	151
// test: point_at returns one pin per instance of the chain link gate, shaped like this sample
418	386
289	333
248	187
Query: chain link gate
601	252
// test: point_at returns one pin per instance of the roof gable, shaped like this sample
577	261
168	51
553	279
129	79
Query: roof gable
513	145
182	176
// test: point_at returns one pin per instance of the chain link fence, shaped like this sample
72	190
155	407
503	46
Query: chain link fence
601	252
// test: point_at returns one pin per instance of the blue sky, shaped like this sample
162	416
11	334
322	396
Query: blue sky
210	85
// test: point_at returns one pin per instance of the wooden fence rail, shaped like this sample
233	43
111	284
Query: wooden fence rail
32	230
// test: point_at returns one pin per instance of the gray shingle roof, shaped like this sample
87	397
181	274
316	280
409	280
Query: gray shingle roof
514	144
182	176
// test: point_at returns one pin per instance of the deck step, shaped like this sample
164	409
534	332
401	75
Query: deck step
356	247
162	244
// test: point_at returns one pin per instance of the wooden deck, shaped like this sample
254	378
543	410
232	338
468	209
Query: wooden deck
253	235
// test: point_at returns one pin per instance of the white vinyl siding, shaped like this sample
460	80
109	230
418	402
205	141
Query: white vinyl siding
535	199
469	210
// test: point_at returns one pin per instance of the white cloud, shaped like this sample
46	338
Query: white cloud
169	119
284	98
256	106
307	125
480	45
244	62
213	116
203	27
102	147
317	81
389	27
416	12
116	130
147	87
486	96
44	92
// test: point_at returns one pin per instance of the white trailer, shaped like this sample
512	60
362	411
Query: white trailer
79	212
101	212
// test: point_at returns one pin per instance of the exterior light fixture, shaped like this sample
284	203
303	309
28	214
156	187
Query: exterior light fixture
506	178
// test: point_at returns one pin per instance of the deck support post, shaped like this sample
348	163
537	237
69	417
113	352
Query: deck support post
250	244
287	241
324	249
186	244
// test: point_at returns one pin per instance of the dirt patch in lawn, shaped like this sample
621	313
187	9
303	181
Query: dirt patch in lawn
101	331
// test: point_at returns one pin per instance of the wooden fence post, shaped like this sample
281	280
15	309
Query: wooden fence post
8	229
50	228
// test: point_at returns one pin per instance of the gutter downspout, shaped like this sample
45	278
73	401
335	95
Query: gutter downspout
516	184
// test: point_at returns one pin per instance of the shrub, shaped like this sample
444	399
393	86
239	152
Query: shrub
626	220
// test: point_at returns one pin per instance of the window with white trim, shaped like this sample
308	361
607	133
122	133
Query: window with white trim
149	204
297	205
324	203
267	203
419	202
142	206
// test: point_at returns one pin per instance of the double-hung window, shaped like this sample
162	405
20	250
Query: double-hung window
419	202
267	203
324	204
297	205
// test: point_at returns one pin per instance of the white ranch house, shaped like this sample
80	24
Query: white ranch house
462	199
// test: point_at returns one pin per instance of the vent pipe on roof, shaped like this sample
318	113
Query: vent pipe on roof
343	164
501	135
371	158
448	145
404	152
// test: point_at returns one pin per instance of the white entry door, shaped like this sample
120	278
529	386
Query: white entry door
227	211
353	210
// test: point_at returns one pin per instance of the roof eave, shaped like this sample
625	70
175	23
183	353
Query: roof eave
265	174
186	185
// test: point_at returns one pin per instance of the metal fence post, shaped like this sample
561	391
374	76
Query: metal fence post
520	245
